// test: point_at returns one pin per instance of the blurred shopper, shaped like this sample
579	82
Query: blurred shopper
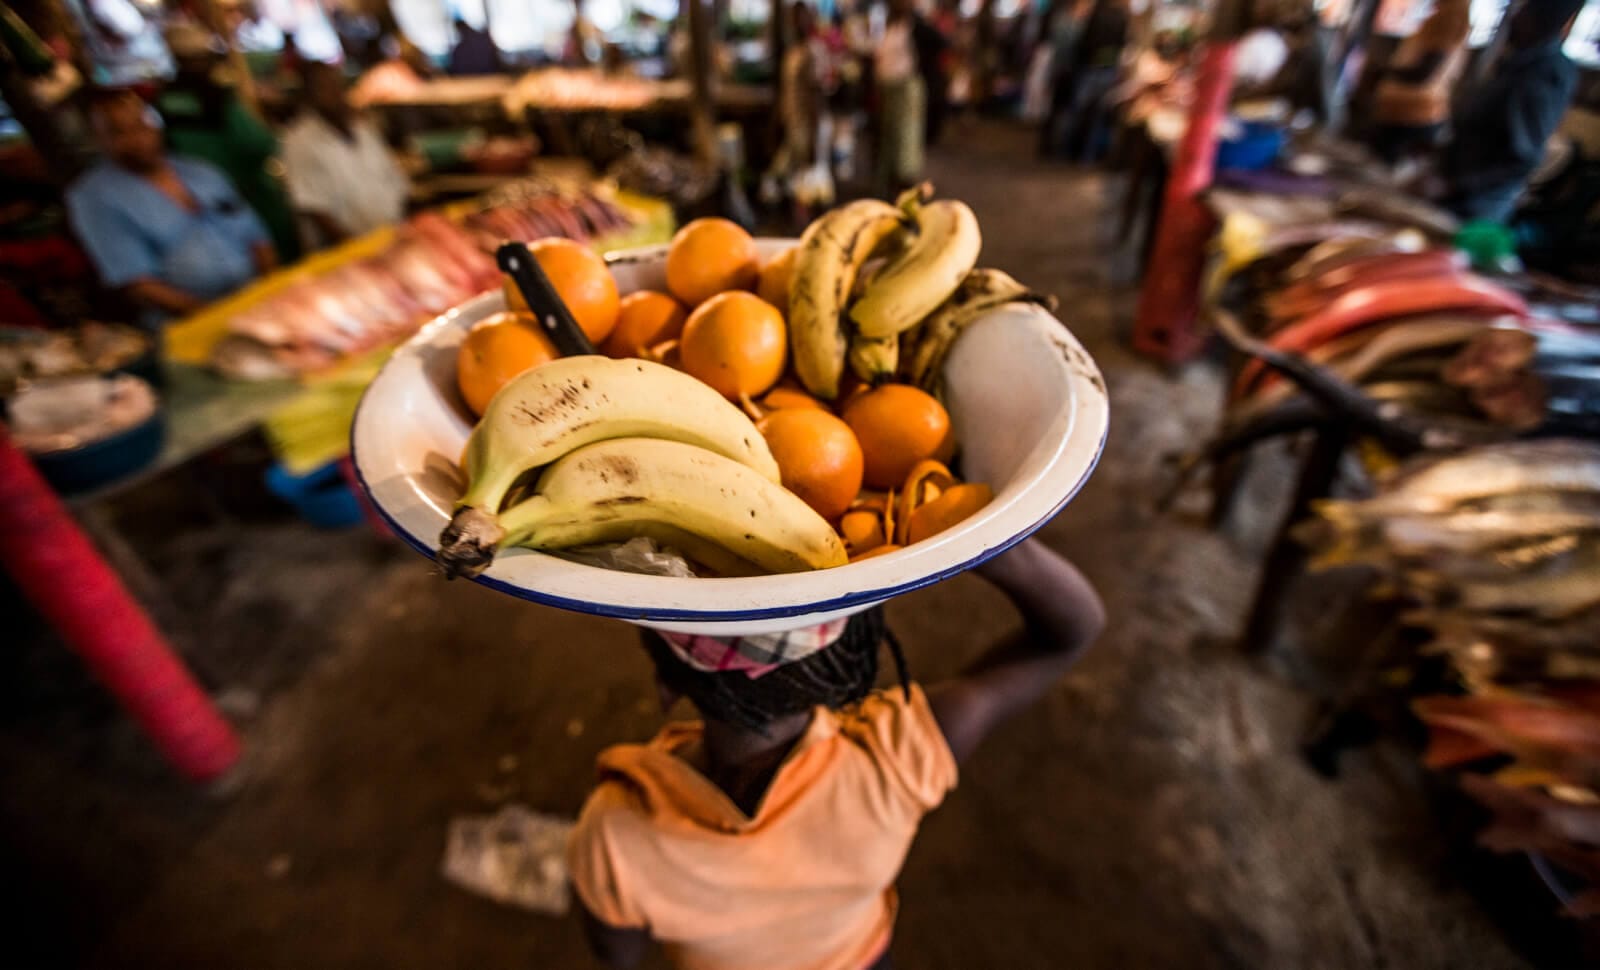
1093	74
1412	102
1501	131
206	119
984	57
474	53
848	42
342	178
933	44
800	165
171	233
769	835
901	75
1063	32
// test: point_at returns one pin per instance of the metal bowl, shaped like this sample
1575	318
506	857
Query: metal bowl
1027	402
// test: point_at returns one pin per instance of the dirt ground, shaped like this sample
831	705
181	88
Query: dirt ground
1154	811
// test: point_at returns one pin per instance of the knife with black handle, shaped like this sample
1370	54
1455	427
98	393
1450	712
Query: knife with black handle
543	300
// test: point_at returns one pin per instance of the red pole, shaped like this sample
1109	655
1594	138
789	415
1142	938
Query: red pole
64	577
1169	300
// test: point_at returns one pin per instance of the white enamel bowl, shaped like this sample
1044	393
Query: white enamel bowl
1028	405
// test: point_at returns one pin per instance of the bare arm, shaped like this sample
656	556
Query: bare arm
265	257
328	227
1062	614
165	297
1420	70
616	947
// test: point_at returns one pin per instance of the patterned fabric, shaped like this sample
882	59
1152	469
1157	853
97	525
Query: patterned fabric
754	655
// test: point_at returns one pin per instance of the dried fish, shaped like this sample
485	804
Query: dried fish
1354	356
1364	306
1545	592
1342	251
1440	484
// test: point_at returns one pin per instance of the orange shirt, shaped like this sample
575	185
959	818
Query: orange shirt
805	884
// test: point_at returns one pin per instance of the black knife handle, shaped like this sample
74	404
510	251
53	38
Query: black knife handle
547	306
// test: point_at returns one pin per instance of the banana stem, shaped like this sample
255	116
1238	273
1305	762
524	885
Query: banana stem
468	544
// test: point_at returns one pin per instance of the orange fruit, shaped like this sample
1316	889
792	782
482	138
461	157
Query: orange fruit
710	256
644	319
772	283
818	458
861	529
736	342
898	426
788	396
495	350
583	281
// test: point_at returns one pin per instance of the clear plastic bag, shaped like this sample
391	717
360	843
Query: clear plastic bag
634	556
514	856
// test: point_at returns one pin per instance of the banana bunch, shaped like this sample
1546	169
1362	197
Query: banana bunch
839	315
629	448
980	291
832	251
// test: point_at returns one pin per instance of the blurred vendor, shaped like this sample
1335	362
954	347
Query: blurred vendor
1412	103
342	178
1500	133
474	52
169	232
206	119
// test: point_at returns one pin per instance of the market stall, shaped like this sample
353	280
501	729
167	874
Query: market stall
1386	334
98	413
569	110
326	323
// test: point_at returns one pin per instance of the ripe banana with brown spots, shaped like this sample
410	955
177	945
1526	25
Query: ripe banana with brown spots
832	250
712	508
548	411
914	284
874	360
980	291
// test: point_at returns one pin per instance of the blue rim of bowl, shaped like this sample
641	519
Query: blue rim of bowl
846	601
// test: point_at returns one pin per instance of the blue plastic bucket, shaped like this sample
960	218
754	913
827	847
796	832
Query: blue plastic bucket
1257	146
321	496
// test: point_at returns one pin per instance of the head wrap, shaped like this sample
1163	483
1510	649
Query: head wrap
754	655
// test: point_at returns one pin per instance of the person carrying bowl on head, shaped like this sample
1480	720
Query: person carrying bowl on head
171	233
769	834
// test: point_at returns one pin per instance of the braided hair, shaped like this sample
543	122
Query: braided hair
836	676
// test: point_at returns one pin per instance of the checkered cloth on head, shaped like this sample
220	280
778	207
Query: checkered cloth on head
754	655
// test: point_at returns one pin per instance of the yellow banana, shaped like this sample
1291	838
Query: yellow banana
874	359
911	287
832	250
684	495
983	289
573	401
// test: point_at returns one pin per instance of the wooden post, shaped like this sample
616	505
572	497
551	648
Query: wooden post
702	111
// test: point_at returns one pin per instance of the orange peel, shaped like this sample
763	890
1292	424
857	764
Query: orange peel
955	504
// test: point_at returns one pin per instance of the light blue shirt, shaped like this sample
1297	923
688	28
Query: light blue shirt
134	231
